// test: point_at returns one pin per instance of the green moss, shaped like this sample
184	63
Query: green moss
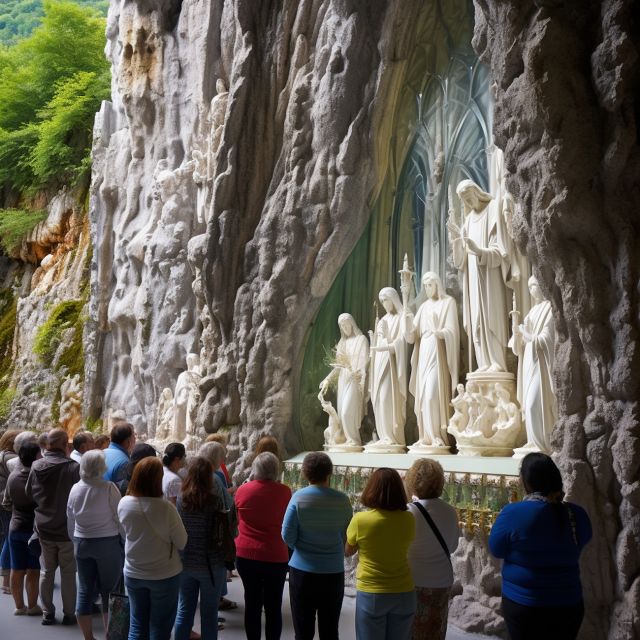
8	308
7	395
15	225
66	315
95	425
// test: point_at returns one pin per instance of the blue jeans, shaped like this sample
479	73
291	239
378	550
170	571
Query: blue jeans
99	564
5	555
384	616
22	558
192	583
153	606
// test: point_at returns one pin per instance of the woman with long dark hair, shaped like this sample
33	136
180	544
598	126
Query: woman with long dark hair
204	573
386	598
540	540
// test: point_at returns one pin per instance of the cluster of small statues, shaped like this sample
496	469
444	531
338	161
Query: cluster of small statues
492	415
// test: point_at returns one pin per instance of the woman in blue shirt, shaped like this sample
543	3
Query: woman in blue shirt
540	540
314	527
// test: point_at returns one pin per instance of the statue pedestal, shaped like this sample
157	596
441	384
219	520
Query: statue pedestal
521	452
343	448
487	419
381	447
426	450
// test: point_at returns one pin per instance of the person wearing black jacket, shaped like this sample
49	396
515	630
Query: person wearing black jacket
49	484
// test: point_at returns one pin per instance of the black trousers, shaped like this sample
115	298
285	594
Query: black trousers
263	584
315	592
542	623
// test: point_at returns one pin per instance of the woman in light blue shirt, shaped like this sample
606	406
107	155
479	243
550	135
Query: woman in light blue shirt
314	528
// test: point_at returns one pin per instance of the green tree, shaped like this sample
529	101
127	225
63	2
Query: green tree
18	18
51	84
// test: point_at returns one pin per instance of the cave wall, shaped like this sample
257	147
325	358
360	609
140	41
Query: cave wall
566	114
237	264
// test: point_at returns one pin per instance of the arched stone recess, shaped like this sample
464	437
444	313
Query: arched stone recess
439	134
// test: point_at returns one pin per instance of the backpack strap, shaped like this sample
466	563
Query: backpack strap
434	528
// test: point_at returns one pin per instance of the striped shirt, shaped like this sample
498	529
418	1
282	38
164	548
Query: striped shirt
314	527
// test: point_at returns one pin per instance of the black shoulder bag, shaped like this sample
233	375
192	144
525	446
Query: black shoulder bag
435	530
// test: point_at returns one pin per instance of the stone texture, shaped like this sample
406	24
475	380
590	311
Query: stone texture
61	275
285	202
566	104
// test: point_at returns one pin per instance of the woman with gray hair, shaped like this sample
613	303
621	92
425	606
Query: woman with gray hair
437	536
262	556
94	527
22	438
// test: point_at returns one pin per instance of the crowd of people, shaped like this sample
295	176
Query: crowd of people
113	517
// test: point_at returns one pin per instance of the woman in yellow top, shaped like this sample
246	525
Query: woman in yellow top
386	599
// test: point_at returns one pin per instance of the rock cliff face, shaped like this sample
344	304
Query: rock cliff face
566	113
42	370
222	211
254	188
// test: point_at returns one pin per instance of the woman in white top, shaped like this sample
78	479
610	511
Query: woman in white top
154	535
429	561
173	461
92	520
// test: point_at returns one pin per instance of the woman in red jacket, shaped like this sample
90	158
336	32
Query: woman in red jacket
261	555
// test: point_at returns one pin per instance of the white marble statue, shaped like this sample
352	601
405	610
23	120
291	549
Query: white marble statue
480	252
217	114
388	375
533	343
349	373
486	421
71	404
435	333
165	415
185	399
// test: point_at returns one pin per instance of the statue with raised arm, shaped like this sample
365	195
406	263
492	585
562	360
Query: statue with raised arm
533	343
480	253
388	376
349	375
435	335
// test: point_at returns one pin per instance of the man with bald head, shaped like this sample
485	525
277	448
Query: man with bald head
49	484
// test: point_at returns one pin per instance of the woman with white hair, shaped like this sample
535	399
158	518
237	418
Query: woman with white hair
261	554
94	527
22	438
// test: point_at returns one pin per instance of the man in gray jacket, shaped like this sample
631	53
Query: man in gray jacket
49	484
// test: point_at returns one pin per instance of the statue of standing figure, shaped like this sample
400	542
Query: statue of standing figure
185	399
480	252
533	343
350	373
435	334
388	376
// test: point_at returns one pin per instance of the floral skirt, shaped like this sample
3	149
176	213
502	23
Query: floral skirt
432	613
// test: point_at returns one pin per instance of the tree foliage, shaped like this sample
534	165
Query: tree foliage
18	18
51	84
15	224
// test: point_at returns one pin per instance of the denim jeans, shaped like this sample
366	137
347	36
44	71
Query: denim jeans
153	606
263	583
384	616
99	562
5	554
194	582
